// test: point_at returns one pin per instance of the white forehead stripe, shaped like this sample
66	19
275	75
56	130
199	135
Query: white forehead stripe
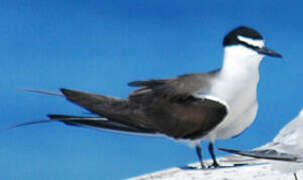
254	42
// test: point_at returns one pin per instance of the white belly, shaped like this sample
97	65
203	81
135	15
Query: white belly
240	95
233	124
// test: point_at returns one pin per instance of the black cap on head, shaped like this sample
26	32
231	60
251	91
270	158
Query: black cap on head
232	37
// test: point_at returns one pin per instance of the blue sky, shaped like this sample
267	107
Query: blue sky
99	46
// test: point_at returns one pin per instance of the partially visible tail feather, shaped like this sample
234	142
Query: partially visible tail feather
91	122
42	92
265	154
97	122
30	123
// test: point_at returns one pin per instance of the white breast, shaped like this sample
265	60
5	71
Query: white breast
237	86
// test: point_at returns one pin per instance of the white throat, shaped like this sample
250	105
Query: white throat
239	58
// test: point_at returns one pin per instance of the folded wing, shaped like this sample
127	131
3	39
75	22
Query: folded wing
160	106
166	106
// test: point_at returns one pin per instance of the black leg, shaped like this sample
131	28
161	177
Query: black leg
211	151
296	177
198	150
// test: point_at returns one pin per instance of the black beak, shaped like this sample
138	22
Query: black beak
268	52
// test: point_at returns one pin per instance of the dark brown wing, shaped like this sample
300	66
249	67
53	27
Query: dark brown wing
189	119
173	107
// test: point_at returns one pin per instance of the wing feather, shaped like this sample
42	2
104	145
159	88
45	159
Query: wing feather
189	119
179	88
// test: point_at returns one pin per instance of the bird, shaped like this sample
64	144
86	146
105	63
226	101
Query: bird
284	151
214	105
